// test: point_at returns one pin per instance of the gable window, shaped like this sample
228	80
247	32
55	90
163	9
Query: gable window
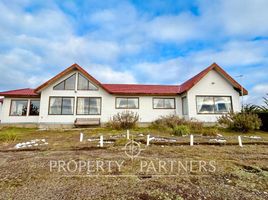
213	104
34	107
184	106
88	106
61	106
85	84
67	84
164	103
127	103
18	107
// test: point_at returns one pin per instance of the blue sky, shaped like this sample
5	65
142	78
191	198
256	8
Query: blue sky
156	42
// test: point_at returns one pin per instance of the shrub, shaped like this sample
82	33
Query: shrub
123	120
8	135
170	122
210	131
181	130
240	121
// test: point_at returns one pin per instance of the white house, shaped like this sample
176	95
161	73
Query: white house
75	94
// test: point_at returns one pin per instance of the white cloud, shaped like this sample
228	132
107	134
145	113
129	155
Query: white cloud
257	93
106	74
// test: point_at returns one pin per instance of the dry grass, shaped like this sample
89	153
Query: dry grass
241	173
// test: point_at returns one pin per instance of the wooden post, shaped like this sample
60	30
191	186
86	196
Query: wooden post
191	140
81	137
128	134
101	141
240	141
148	140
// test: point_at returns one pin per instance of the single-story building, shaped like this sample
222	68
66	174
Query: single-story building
75	94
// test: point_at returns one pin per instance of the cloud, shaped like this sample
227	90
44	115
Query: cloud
257	93
106	74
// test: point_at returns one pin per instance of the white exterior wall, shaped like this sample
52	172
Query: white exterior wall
7	119
205	87
145	111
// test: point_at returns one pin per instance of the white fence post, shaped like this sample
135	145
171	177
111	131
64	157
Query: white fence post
191	140
101	141
128	134
148	140
240	141
81	137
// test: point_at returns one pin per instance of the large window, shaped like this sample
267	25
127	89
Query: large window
184	106
88	106
127	103
213	104
61	105
67	84
18	107
164	103
34	107
85	84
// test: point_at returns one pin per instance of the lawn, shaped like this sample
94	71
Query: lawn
238	173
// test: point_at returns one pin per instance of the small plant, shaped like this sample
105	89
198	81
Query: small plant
181	130
8	135
240	121
123	120
170	122
213	131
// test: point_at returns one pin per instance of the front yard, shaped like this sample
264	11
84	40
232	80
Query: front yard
26	173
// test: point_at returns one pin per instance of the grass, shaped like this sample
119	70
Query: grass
241	173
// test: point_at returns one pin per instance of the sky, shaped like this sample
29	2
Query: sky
135	41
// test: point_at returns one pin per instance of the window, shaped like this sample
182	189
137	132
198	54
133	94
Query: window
164	103
67	84
34	107
18	107
85	84
61	105
184	106
88	106
213	104
127	103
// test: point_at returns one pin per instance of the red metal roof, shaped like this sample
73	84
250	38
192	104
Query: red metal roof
142	89
131	89
20	93
187	85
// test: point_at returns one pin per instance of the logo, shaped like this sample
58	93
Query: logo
132	149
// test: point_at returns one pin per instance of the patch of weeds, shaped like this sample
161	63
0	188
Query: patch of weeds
121	142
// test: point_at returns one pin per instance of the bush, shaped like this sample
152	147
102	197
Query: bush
170	122
210	131
8	135
123	120
181	130
240	121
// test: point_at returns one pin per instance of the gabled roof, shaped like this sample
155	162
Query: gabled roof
187	85
130	89
142	89
26	92
65	72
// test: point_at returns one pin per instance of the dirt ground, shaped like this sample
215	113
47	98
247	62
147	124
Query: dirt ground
227	171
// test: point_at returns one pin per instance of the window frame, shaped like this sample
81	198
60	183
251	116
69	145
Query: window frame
173	98
89	101
213	96
30	107
182	109
61	104
27	100
127	103
75	74
88	82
